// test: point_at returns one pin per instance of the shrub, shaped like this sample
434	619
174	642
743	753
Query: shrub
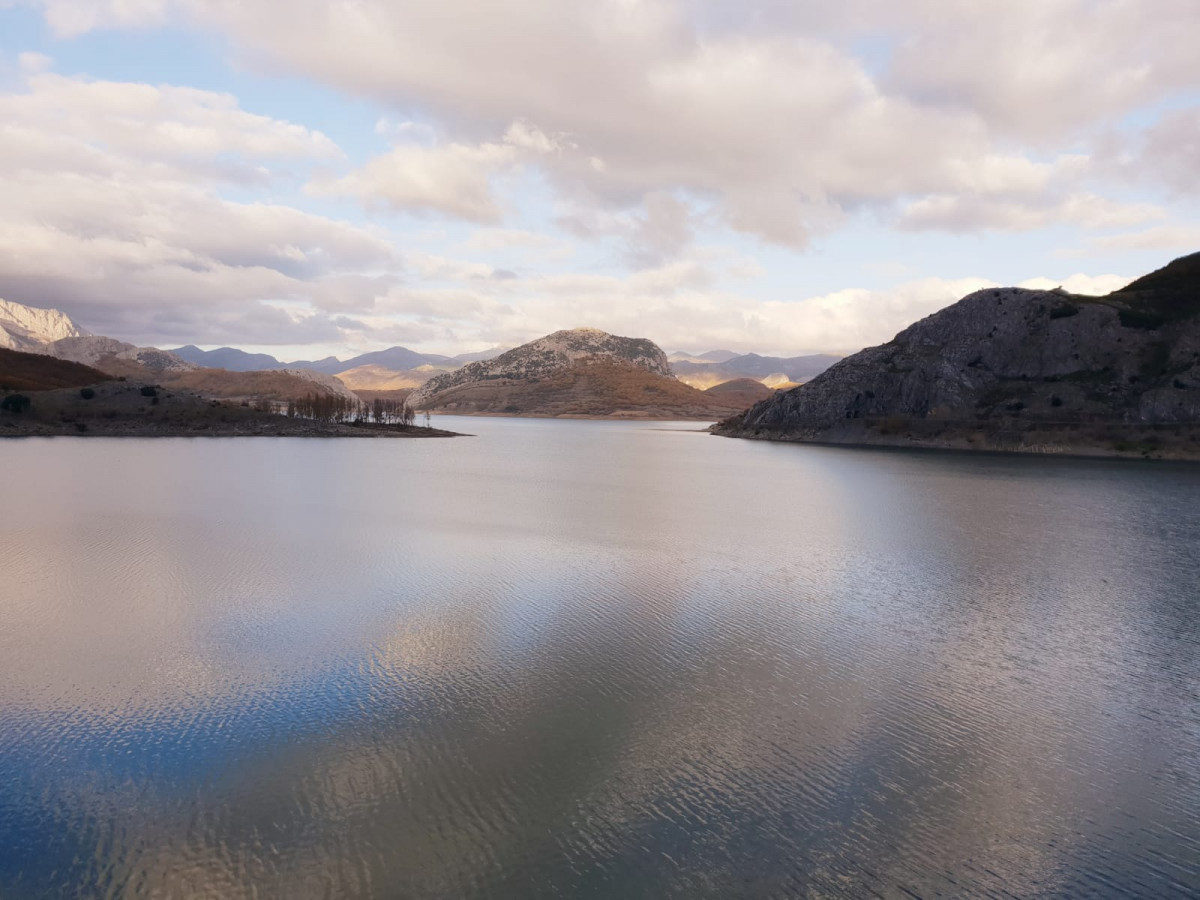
87	393
149	390
17	403
1056	401
1063	311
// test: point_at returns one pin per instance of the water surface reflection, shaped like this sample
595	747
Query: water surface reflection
594	659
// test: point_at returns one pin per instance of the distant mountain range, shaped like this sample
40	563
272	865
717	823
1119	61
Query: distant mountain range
1017	369
398	359
720	366
624	376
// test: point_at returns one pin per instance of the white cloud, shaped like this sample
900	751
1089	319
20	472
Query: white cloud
1079	283
1172	238
774	114
111	213
1016	213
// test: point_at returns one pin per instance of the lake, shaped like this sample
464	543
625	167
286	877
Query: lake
594	659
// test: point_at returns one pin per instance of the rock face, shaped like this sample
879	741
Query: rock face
1014	369
116	357
547	356
29	329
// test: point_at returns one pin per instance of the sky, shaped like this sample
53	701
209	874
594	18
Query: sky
310	178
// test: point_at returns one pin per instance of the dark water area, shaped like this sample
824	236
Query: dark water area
594	659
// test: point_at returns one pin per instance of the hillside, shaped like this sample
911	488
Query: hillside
1016	369
740	392
36	372
379	378
580	372
586	389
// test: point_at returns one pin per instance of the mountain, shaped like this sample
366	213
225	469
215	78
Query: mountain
228	358
478	356
712	356
579	372
397	358
20	371
51	334
1017	369
329	365
28	328
751	365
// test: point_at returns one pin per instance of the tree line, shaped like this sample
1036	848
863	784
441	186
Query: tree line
335	408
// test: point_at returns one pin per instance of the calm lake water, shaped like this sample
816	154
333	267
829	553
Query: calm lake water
594	659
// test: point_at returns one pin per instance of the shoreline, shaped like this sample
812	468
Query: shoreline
232	430
617	417
1049	448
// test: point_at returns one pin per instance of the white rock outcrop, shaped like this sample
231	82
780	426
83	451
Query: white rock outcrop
30	329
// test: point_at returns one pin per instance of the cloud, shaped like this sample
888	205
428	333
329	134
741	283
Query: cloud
678	304
772	117
452	178
1173	238
1016	213
486	240
111	212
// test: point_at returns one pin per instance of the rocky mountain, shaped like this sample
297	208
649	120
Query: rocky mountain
115	357
702	373
579	372
1017	369
28	328
51	334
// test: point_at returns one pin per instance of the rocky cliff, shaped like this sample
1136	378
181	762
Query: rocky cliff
1016	369
29	329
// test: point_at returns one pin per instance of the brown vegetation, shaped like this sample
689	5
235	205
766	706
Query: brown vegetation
741	392
587	389
35	372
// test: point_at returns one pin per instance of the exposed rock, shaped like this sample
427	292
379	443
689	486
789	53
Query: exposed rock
28	328
1011	368
116	357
